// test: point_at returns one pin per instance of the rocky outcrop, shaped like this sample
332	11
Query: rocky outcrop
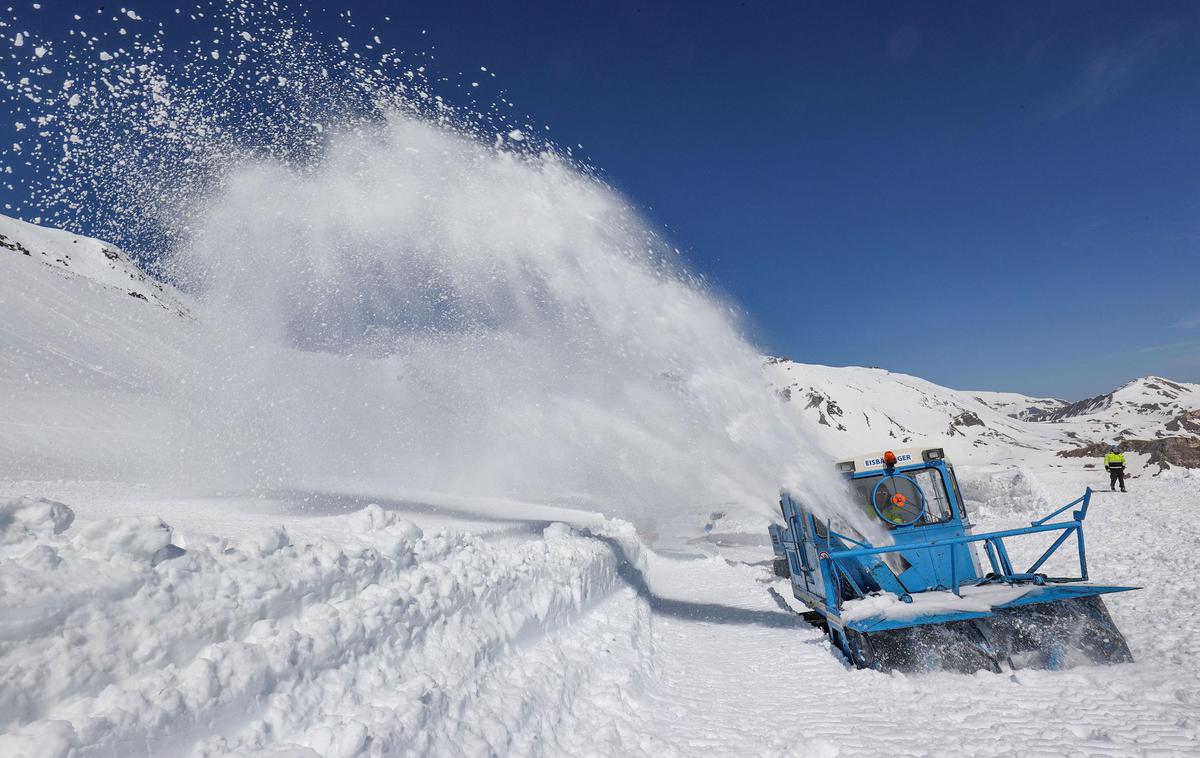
1165	451
962	421
1185	422
1079	408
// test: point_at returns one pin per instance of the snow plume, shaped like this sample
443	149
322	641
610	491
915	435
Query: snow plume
397	293
426	311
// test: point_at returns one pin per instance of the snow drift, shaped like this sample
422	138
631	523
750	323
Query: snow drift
107	647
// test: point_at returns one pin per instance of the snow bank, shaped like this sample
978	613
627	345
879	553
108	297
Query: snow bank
265	642
1178	474
973	599
140	538
1015	492
25	518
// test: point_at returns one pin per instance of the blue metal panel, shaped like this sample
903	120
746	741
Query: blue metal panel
776	532
935	567
1051	592
876	624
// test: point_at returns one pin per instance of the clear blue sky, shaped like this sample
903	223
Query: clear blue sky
991	196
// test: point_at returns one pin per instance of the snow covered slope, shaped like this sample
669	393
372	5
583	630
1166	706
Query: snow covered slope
92	261
1017	405
1151	397
857	409
87	344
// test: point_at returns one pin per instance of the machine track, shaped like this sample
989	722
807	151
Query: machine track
1053	635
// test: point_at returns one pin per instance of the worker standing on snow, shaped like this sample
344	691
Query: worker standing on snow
1114	464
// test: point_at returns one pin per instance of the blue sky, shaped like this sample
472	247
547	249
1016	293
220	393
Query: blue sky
987	195
991	196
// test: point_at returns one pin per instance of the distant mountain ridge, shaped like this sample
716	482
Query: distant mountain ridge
89	344
1020	406
853	409
1147	394
96	261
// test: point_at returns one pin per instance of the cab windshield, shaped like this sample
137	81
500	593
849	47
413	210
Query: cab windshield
899	501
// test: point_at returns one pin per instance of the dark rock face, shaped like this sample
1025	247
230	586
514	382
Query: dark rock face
815	399
1165	451
1185	422
1090	405
968	418
1094	450
1175	451
963	420
13	245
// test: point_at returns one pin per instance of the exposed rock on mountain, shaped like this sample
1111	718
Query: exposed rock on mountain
1164	452
95	262
1019	406
1188	421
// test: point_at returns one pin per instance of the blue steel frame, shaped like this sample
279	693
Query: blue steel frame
838	564
1002	568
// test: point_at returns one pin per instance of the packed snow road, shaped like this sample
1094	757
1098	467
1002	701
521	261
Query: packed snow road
315	624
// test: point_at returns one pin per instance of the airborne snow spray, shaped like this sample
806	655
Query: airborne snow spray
398	295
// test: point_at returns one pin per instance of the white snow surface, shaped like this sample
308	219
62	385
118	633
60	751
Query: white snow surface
96	262
140	616
885	605
397	631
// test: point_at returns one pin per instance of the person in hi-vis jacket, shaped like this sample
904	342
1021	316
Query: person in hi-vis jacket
1114	464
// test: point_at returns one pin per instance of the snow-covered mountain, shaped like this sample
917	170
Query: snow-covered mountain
87	344
1017	405
91	262
854	409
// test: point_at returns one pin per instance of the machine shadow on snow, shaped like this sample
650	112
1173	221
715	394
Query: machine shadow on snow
711	613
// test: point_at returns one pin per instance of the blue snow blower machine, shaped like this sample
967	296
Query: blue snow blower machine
924	602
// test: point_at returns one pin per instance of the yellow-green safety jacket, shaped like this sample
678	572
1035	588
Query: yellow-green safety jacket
1114	460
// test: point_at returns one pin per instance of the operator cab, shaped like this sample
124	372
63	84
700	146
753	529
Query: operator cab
916	490
911	494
